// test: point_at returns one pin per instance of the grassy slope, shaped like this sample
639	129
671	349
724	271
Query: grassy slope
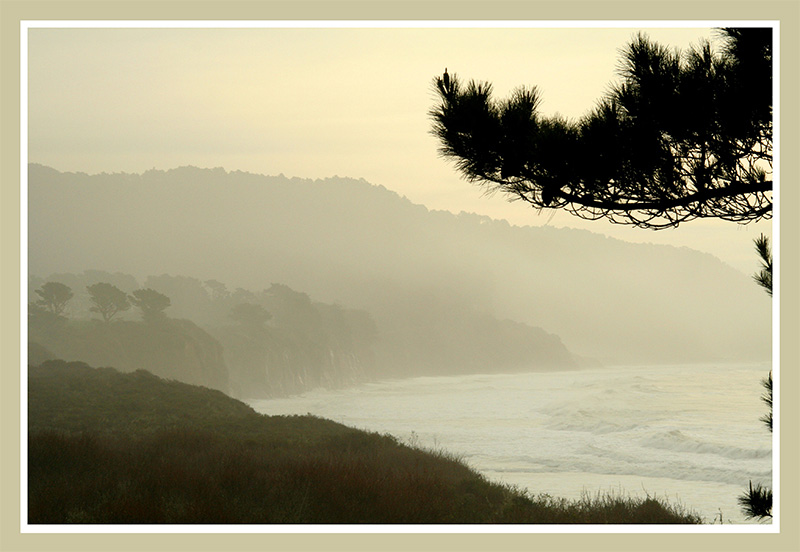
106	447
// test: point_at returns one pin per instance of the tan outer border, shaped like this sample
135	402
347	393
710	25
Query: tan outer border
12	12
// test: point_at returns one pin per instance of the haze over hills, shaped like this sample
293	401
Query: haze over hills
350	242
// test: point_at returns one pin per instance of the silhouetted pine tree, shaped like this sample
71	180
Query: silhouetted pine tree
756	502
681	137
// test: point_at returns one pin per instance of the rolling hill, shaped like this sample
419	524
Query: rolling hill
353	243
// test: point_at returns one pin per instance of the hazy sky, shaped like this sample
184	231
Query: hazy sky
319	102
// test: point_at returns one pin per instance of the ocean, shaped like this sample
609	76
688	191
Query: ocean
687	433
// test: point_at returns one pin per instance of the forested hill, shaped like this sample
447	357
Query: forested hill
350	242
268	343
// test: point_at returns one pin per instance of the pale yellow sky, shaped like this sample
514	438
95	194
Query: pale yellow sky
319	102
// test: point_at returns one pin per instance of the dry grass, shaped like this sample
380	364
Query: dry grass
118	448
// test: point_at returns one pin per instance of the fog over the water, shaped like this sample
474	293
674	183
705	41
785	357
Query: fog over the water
264	212
638	430
362	246
303	158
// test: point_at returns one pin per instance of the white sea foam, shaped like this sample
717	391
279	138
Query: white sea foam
690	433
675	440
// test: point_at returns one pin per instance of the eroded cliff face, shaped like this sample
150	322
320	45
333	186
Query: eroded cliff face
279	342
171	349
266	362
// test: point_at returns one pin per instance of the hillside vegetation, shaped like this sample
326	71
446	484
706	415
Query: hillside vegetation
107	447
177	349
277	341
415	271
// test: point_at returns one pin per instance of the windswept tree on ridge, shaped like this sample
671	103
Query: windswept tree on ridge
54	297
151	303
108	300
218	289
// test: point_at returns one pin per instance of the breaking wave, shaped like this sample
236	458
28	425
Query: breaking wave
675	440
640	427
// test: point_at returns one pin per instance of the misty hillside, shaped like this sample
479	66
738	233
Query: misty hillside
274	342
350	242
305	344
175	349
